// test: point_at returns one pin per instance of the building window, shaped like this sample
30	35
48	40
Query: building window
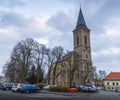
77	40
107	83
86	56
113	83
85	40
117	83
77	56
108	87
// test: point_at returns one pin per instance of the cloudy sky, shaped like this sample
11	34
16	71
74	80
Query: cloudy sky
51	22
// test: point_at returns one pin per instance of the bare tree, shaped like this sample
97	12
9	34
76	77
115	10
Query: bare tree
9	73
71	67
86	72
29	53
10	70
95	74
32	75
53	58
58	53
102	74
23	54
98	75
49	62
39	61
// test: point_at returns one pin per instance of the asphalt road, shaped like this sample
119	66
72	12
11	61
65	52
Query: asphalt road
101	95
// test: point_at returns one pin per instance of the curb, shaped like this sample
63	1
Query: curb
63	94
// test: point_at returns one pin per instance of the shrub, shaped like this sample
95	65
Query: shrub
39	85
59	89
52	88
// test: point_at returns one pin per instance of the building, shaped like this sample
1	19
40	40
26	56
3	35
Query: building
76	66
112	81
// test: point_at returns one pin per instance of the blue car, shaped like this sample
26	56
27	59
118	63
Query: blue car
29	89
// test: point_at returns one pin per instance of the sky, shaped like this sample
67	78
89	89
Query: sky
51	22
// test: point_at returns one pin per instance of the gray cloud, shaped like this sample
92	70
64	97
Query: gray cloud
11	3
70	1
13	19
103	15
64	40
61	21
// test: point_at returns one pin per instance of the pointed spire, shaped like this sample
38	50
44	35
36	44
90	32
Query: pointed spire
81	21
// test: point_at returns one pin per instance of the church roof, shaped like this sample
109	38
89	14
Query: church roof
67	56
113	76
81	21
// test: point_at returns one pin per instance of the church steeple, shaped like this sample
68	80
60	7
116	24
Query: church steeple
82	51
81	21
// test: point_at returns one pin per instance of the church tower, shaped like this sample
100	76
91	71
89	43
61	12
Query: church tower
82	51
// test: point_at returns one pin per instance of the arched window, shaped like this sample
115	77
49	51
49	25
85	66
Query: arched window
77	76
85	40
86	56
77	40
113	83
117	83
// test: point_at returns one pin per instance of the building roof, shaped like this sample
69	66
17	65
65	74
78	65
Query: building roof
67	56
81	21
113	76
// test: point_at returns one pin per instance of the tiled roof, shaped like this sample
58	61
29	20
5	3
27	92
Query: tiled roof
113	76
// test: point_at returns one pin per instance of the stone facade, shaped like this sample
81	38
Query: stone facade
79	61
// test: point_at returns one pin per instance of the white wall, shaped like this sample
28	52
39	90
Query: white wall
111	85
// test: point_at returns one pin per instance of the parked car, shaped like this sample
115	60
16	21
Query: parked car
94	88
16	87
7	86
79	87
1	84
89	88
29	89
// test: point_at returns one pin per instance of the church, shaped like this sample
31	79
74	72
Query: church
76	66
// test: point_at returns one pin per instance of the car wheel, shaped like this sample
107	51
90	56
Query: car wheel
38	91
17	91
27	91
7	89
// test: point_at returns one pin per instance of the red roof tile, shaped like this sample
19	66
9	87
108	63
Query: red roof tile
113	76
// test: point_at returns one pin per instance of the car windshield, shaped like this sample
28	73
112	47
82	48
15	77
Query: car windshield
8	84
93	86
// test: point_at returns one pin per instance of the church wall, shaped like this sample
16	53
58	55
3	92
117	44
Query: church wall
81	59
